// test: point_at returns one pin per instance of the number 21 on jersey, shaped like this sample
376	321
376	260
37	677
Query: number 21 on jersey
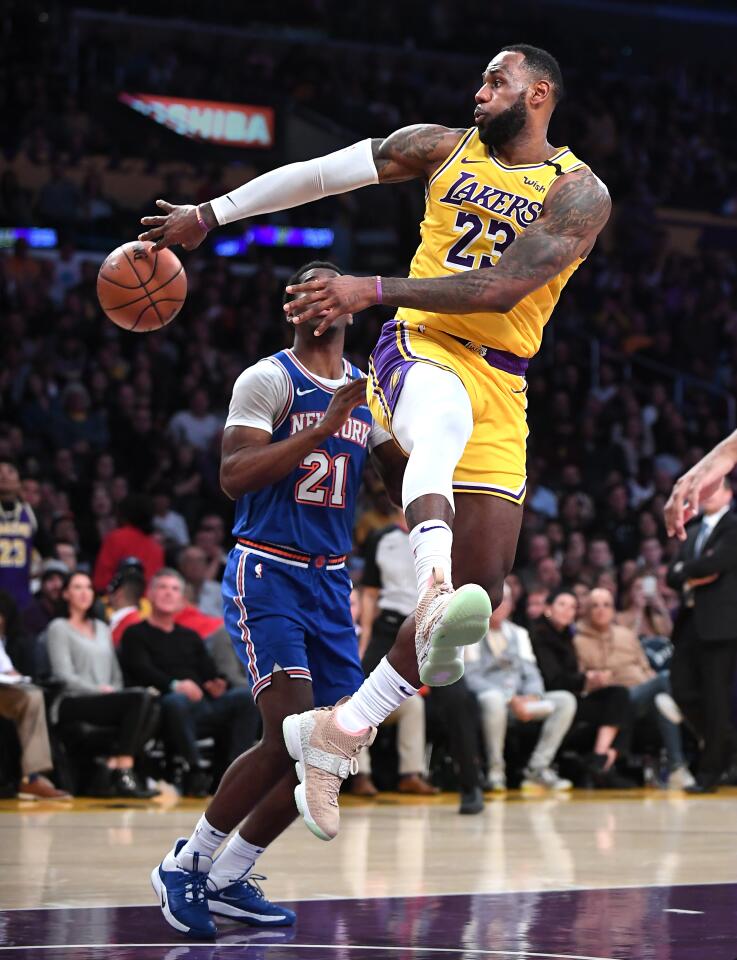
324	484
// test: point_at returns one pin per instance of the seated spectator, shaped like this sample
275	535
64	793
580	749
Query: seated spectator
124	594
604	706
502	672
46	602
24	704
644	612
205	594
534	606
195	701
605	647
131	539
82	657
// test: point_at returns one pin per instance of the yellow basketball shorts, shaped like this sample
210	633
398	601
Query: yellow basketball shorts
494	459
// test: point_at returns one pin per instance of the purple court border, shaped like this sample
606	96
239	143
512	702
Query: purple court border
627	923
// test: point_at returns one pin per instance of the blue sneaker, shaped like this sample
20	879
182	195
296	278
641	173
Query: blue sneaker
181	893
245	902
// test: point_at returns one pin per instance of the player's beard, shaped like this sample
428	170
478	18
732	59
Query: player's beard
499	130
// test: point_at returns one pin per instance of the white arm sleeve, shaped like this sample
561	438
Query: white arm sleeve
260	394
299	183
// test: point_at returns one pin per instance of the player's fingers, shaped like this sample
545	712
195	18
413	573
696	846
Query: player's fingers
164	205
327	321
306	287
161	244
152	234
308	312
153	221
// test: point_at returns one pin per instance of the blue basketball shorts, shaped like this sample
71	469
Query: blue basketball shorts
295	617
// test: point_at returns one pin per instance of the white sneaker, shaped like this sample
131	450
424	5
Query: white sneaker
547	778
325	754
447	620
681	777
496	781
668	707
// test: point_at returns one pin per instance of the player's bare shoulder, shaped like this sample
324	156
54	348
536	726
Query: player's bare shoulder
577	205
414	151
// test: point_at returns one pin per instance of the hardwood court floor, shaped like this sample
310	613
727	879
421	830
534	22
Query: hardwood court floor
644	851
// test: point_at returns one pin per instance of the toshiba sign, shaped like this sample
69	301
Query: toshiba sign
232	124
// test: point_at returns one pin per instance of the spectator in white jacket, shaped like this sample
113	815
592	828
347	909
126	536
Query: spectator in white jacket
503	674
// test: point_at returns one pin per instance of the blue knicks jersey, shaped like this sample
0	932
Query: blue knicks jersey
312	508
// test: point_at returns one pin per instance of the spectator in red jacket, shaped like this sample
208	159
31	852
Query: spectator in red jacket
131	539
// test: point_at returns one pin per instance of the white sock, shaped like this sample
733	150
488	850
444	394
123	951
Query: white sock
234	862
431	543
379	695
205	840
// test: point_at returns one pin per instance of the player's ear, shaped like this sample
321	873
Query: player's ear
540	92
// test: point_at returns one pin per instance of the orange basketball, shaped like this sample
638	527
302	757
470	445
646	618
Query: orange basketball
140	289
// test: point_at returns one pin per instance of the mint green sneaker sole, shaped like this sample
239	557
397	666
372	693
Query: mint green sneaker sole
466	621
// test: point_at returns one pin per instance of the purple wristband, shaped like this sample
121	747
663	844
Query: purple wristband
200	220
379	291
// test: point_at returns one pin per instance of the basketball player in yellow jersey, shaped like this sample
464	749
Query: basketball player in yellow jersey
508	219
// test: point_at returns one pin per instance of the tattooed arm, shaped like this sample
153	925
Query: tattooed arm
575	212
415	151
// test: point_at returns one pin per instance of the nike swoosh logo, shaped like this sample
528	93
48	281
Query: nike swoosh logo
428	529
302	393
405	691
467	160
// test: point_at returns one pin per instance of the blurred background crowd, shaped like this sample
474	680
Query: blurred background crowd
111	431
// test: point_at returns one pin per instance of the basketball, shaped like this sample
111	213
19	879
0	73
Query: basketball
141	289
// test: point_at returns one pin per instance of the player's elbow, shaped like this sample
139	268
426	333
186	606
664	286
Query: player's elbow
228	482
501	302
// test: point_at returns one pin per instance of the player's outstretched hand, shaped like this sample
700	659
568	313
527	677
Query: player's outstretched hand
329	299
698	484
345	398
179	225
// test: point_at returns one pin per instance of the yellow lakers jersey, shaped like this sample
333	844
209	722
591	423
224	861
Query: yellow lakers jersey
475	207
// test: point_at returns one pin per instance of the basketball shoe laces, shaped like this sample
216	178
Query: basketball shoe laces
195	888
430	609
330	782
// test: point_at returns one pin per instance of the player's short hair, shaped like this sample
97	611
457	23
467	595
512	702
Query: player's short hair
540	65
298	275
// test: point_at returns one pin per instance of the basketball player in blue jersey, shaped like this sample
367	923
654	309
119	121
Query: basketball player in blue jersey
296	440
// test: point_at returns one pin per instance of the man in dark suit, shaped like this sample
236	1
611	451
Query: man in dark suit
705	632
